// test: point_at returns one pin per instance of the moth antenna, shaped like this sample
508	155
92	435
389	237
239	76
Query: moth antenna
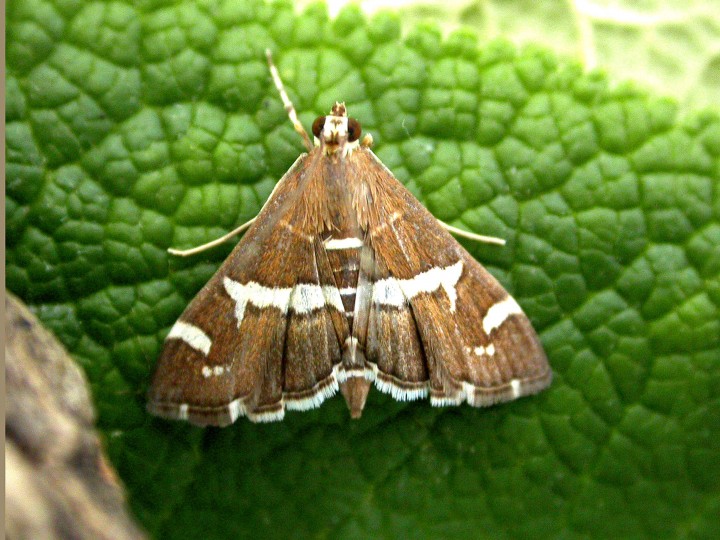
213	243
472	236
289	107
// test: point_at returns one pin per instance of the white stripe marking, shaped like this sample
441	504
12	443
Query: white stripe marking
515	384
236	409
468	394
306	298
397	392
446	400
258	295
345	374
343	243
267	416
388	292
303	298
397	292
339	375
347	291
498	314
183	411
333	298
191	335
315	400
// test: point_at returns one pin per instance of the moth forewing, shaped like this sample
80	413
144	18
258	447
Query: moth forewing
244	314
344	280
470	337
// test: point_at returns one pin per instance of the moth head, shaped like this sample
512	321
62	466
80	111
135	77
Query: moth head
336	132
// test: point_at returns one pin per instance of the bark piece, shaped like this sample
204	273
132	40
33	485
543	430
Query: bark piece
58	482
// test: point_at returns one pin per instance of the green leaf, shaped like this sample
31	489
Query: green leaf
669	45
133	127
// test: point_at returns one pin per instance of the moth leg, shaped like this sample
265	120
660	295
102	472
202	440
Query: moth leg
289	107
213	243
472	236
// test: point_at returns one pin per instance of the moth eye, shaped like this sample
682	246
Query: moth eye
318	125
354	130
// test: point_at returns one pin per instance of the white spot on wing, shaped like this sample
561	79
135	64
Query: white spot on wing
236	409
396	292
183	411
191	335
516	385
499	312
210	371
481	350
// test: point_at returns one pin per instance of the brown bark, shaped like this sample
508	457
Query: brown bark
58	482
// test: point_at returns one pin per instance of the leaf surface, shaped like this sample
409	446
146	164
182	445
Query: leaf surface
134	127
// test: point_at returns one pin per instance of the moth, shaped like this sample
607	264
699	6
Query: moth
343	280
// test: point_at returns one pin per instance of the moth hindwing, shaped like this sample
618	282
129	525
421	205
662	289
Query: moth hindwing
344	280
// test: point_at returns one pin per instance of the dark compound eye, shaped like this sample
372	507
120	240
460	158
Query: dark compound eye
354	130
318	125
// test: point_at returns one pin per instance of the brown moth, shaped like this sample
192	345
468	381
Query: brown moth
343	280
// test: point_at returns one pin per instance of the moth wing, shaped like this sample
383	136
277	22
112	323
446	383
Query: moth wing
438	320
257	338
394	348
